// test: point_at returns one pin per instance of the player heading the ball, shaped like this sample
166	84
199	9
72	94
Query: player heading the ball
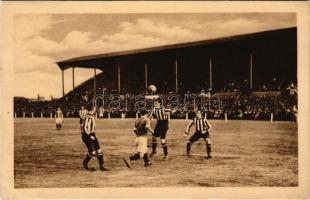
161	128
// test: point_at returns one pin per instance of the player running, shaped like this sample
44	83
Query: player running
202	127
161	128
82	114
90	140
59	118
142	127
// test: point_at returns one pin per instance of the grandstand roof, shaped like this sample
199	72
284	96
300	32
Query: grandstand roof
97	61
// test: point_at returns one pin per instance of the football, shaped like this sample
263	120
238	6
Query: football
152	88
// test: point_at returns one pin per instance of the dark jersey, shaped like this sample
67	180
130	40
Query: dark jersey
141	126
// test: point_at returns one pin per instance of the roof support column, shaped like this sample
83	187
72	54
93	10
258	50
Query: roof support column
145	75
73	78
63	83
119	79
251	70
210	73
176	76
95	86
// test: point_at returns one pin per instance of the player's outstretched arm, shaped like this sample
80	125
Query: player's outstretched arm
167	110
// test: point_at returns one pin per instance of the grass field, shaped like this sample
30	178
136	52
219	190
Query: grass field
245	153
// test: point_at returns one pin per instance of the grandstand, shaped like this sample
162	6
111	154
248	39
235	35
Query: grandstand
254	74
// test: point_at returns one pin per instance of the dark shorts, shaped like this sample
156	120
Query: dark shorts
91	145
81	120
161	129
197	135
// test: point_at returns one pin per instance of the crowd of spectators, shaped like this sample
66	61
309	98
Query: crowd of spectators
282	107
241	104
272	85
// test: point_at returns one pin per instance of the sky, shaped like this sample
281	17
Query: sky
41	40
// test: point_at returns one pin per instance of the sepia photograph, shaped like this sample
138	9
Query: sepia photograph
156	99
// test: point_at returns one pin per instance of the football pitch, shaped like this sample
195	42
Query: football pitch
245	153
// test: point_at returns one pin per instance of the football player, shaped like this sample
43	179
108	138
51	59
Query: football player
59	118
82	114
202	127
90	140
142	127
161	128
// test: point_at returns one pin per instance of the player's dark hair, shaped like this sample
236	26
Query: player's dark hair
158	101
199	110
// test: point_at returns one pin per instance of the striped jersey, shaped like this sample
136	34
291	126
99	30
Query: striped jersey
59	114
160	113
201	125
82	113
89	124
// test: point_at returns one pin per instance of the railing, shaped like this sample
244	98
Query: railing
187	116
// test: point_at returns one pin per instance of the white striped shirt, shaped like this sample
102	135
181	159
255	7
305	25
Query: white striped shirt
201	125
160	113
89	124
82	113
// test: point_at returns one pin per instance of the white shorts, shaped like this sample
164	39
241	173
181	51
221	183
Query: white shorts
58	120
141	144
